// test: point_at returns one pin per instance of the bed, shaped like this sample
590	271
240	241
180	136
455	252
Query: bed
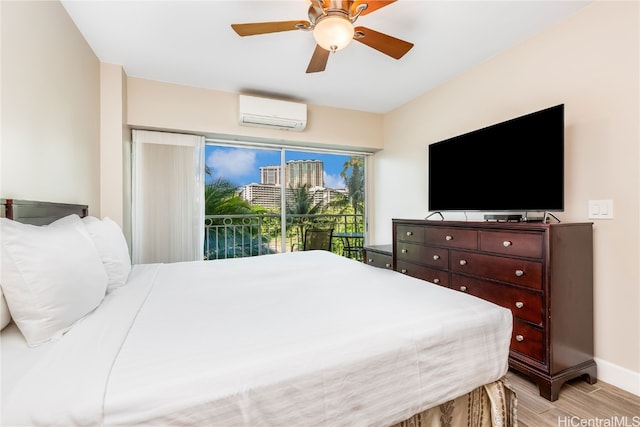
295	339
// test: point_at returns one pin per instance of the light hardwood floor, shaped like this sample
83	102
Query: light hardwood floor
580	404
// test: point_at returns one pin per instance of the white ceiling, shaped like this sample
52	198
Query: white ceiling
192	43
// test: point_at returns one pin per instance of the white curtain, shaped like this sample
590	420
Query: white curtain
167	197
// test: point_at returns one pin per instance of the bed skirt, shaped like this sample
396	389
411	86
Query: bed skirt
490	405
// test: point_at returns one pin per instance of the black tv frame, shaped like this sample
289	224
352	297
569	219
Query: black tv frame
513	166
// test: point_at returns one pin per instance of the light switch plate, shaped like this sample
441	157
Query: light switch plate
600	209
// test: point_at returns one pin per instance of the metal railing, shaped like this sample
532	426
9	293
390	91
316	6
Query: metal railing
236	236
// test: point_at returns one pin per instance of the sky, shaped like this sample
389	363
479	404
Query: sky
242	165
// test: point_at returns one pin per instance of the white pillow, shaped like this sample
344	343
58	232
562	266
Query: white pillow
112	247
5	315
51	276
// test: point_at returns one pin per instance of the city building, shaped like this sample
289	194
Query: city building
270	175
298	173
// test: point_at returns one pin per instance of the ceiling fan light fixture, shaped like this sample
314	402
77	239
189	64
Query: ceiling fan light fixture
333	32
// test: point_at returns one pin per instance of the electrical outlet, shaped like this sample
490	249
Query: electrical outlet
600	209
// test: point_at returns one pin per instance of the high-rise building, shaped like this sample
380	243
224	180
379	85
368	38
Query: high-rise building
270	175
298	173
266	195
301	172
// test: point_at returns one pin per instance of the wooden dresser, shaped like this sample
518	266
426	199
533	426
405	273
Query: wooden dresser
542	272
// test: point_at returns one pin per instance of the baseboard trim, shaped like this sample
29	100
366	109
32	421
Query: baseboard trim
618	376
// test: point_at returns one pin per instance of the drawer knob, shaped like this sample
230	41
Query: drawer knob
463	262
519	338
404	270
436	257
404	251
448	237
519	304
463	288
519	273
409	233
387	265
506	243
436	280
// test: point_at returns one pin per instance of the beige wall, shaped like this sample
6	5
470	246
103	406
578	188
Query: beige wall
590	63
50	107
114	140
159	105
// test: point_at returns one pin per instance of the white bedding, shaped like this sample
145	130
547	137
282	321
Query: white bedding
304	338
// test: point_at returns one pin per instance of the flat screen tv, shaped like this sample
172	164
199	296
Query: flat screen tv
516	165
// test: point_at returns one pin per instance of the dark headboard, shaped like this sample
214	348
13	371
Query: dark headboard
39	213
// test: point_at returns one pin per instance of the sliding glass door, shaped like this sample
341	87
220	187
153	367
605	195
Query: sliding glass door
261	200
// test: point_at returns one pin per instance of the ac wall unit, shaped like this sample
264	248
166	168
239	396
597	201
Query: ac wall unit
271	113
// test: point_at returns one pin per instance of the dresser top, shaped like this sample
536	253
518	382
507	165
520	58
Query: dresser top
498	225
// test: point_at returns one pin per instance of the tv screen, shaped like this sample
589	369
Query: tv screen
516	165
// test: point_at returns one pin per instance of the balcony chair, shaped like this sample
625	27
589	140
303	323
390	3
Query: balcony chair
316	238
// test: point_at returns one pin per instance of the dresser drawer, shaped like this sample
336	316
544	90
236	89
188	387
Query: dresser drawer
527	340
435	257
518	244
433	275
517	271
524	305
409	233
451	237
378	260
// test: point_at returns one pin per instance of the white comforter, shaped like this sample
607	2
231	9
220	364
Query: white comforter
306	338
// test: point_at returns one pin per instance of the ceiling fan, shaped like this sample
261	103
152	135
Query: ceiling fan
332	23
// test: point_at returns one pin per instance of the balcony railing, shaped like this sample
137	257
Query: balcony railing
237	236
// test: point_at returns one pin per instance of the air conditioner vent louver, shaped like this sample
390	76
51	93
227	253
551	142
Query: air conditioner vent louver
271	113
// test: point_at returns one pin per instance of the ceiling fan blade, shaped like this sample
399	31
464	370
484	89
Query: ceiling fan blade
384	43
372	5
318	60
267	27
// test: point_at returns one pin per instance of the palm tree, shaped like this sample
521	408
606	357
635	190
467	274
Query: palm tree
221	198
353	202
354	182
300	202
